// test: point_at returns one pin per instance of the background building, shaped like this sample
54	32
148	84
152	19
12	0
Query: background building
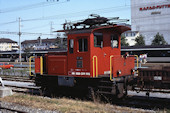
8	45
43	44
150	17
130	37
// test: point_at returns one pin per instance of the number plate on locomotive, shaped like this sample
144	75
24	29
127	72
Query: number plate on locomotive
157	78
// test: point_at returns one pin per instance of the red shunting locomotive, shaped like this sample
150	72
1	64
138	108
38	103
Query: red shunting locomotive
93	59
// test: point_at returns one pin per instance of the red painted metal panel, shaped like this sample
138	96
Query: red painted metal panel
57	65
37	65
125	65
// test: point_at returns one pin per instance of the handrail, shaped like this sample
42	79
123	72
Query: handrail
94	67
111	67
30	65
41	65
136	62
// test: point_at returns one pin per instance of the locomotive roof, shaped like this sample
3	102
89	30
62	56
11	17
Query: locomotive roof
118	28
95	23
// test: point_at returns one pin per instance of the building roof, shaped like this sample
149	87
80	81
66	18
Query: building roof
52	40
6	40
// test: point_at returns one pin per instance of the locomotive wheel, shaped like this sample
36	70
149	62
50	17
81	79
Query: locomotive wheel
121	90
42	91
46	91
50	91
92	95
147	94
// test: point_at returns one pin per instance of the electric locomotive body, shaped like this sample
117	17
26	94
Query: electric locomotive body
93	60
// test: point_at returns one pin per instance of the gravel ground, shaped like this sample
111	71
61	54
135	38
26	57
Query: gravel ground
26	109
22	108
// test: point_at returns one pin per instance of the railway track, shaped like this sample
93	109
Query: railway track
130	101
148	103
10	110
145	102
21	84
17	78
26	90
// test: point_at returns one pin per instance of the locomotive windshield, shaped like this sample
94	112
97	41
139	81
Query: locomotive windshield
114	40
98	40
71	45
83	45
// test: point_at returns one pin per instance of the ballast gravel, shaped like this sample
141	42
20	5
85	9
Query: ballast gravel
23	109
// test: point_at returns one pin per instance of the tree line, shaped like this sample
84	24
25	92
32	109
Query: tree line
158	40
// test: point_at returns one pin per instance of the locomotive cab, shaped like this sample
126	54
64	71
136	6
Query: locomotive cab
92	53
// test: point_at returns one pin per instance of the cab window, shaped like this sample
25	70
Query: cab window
114	40
98	40
83	45
71	45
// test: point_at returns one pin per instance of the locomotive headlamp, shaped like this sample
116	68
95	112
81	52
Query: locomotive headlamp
132	71
119	72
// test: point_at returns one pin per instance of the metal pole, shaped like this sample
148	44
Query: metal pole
51	28
19	40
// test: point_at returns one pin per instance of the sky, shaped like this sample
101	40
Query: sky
43	16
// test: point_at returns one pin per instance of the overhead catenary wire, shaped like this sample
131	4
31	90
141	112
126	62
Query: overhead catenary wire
37	27
8	22
48	18
103	10
31	6
70	15
77	14
43	4
82	13
22	33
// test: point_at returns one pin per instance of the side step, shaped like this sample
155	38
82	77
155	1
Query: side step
106	93
106	87
117	88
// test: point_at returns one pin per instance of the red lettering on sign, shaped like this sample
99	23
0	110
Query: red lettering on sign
150	8
166	6
162	6
144	8
155	7
140	9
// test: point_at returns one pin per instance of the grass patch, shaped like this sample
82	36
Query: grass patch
66	105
